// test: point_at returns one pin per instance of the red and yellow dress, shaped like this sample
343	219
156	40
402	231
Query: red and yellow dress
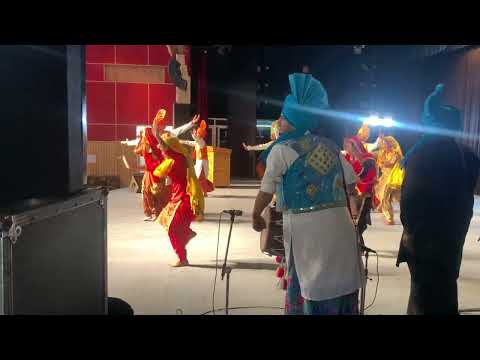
200	155
154	192
186	202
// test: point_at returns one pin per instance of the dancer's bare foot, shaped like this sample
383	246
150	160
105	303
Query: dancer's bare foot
389	222
180	264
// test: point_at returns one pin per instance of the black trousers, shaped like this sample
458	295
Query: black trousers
433	289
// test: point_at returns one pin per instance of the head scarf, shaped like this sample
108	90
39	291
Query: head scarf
307	94
153	142
387	155
159	120
364	132
201	131
362	152
197	201
436	115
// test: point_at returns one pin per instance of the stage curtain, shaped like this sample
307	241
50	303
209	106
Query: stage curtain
464	83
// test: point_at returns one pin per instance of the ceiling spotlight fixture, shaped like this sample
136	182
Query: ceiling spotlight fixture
357	49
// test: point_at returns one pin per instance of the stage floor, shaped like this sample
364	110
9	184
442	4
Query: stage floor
139	253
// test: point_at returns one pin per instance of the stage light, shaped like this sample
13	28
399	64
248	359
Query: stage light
375	120
388	122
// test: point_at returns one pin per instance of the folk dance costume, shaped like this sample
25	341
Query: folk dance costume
389	184
153	190
265	146
186	202
365	167
324	267
436	209
201	157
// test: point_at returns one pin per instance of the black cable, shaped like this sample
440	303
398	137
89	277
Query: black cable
216	266
376	288
248	307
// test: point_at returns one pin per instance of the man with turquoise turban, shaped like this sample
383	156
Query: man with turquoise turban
436	208
306	172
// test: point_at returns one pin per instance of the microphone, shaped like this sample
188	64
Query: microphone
233	212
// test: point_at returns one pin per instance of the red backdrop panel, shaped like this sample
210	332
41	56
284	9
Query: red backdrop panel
132	54
162	96
158	55
100	102
132	103
126	132
101	132
94	72
100	54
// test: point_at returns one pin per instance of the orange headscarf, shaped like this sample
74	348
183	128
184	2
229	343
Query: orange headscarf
202	130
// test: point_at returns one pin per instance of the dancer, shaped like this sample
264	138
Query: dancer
261	147
201	156
363	135
186	202
436	209
390	181
364	165
304	170
153	190
159	125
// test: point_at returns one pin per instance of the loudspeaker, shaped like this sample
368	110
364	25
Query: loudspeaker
43	121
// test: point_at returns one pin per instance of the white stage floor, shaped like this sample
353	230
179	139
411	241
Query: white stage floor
139	253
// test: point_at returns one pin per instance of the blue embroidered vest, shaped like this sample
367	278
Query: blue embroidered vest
315	180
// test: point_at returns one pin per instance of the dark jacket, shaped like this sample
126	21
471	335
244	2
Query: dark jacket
437	203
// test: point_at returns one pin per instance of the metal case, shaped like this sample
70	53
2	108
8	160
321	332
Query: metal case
54	256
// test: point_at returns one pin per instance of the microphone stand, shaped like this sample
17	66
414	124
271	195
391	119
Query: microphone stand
227	269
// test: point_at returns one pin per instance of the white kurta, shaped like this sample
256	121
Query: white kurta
181	129
200	164
323	243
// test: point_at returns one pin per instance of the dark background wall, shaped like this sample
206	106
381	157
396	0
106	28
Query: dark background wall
250	83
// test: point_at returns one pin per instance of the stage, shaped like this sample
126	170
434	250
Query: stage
139	253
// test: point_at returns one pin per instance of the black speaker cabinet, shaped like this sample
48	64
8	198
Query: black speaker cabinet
42	121
53	256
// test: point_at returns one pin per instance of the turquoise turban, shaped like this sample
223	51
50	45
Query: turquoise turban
436	115
306	96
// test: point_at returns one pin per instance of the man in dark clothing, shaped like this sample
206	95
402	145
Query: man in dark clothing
436	209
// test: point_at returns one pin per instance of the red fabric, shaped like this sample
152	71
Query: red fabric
152	203
153	142
178	175
367	181
206	185
155	158
364	167
179	230
188	62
